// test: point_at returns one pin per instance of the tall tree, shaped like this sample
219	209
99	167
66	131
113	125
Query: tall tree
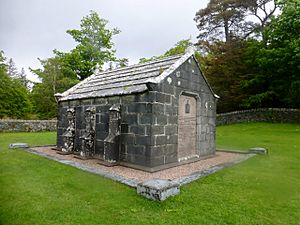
277	64
53	80
225	68
95	46
223	20
14	100
262	11
23	78
3	65
12	69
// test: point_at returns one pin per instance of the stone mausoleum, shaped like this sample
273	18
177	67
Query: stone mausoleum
147	116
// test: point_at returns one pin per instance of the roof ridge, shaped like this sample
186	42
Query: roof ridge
141	64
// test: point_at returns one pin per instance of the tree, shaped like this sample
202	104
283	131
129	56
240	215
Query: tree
262	11
179	48
53	80
277	77
12	69
232	32
23	78
223	20
59	73
14	100
94	46
3	66
224	67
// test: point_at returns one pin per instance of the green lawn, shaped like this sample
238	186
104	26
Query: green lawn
261	190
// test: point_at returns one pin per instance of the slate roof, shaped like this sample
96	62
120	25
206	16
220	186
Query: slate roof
127	80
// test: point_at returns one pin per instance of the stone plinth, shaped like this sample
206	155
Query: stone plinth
157	189
18	145
259	150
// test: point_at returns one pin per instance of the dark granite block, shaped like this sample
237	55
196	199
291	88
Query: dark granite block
158	150
99	148
128	139
158	129
171	129
142	140
114	100
140	108
157	161
158	108
160	140
101	101
171	149
171	110
146	118
148	97
124	128
137	129
172	119
171	159
126	99
86	102
172	139
161	119
131	119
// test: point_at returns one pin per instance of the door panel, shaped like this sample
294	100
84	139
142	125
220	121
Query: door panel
187	124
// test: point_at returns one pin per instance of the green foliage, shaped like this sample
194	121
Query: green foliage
225	70
179	48
14	100
261	190
95	46
258	63
227	19
59	73
3	66
277	64
53	80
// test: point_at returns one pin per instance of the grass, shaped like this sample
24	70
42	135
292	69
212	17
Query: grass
261	190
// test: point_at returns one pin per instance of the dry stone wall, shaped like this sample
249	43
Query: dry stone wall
253	115
27	125
273	115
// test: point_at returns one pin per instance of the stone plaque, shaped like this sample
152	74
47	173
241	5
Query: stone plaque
187	124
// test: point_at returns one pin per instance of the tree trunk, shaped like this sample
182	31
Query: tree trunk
226	28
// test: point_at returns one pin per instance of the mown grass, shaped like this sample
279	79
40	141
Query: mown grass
261	190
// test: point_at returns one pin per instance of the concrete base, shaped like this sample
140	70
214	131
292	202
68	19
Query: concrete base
108	164
64	153
82	157
157	189
165	166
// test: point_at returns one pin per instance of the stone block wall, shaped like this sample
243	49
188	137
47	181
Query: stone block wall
27	125
273	115
185	80
149	121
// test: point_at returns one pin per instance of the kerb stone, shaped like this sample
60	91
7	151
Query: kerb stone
157	189
259	150
18	145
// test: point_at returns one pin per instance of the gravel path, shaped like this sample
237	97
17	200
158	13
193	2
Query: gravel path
174	173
